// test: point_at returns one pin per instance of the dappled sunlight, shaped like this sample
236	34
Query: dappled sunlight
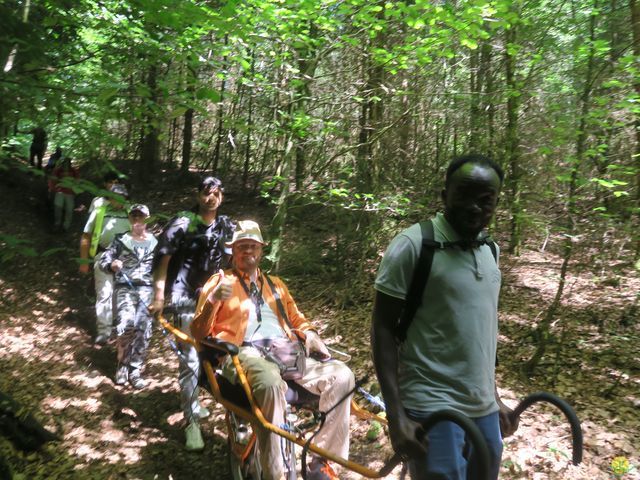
48	299
84	380
88	405
111	443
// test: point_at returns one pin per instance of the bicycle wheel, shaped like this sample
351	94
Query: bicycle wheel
244	470
244	458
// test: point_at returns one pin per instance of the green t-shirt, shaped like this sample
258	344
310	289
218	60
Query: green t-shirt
448	358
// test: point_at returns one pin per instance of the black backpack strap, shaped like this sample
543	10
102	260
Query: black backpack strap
419	281
494	248
276	295
281	309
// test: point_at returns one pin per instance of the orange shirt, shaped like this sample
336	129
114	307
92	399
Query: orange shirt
228	319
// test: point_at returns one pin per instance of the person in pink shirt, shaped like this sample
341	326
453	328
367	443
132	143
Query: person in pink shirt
60	183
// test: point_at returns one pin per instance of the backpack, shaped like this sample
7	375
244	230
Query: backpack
423	269
97	229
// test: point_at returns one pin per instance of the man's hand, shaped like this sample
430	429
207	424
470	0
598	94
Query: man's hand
407	438
222	291
157	306
316	347
83	268
508	422
116	265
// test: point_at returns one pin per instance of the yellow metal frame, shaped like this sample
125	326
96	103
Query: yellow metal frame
256	415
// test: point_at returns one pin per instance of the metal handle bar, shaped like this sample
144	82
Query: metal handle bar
576	430
481	451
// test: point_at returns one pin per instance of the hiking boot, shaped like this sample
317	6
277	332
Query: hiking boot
319	469
101	339
122	375
194	437
136	380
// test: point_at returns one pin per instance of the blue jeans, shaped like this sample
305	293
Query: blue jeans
450	455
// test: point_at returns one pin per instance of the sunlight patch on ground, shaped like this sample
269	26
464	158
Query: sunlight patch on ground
15	341
175	418
90	405
45	298
84	380
110	443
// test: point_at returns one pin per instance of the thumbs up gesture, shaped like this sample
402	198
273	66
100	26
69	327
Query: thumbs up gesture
223	290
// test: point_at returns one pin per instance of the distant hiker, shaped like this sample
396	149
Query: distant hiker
54	158
64	196
104	223
190	250
38	145
108	180
130	259
446	359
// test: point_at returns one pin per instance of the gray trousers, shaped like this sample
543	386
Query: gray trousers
133	326
189	368
63	208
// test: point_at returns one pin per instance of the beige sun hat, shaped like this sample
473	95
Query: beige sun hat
246	230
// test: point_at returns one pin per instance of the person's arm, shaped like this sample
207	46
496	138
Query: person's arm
107	257
159	281
215	291
404	433
85	243
110	260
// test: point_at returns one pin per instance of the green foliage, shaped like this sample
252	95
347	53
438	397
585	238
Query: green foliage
12	246
342	89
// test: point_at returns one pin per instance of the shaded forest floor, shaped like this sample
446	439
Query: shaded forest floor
49	364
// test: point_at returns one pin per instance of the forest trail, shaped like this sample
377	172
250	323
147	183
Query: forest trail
49	364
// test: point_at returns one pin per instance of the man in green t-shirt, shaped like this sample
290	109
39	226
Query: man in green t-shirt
447	360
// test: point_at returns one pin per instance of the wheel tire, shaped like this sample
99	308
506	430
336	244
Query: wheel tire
249	470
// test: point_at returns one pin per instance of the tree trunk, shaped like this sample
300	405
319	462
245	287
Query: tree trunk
512	148
151	138
635	24
187	140
280	217
220	118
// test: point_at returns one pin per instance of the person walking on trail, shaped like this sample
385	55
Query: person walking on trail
246	307
54	160
63	194
103	225
191	249
130	259
447	358
38	146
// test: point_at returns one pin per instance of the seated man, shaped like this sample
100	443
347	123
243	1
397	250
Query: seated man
239	306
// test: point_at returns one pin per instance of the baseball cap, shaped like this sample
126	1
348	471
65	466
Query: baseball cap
246	230
139	207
